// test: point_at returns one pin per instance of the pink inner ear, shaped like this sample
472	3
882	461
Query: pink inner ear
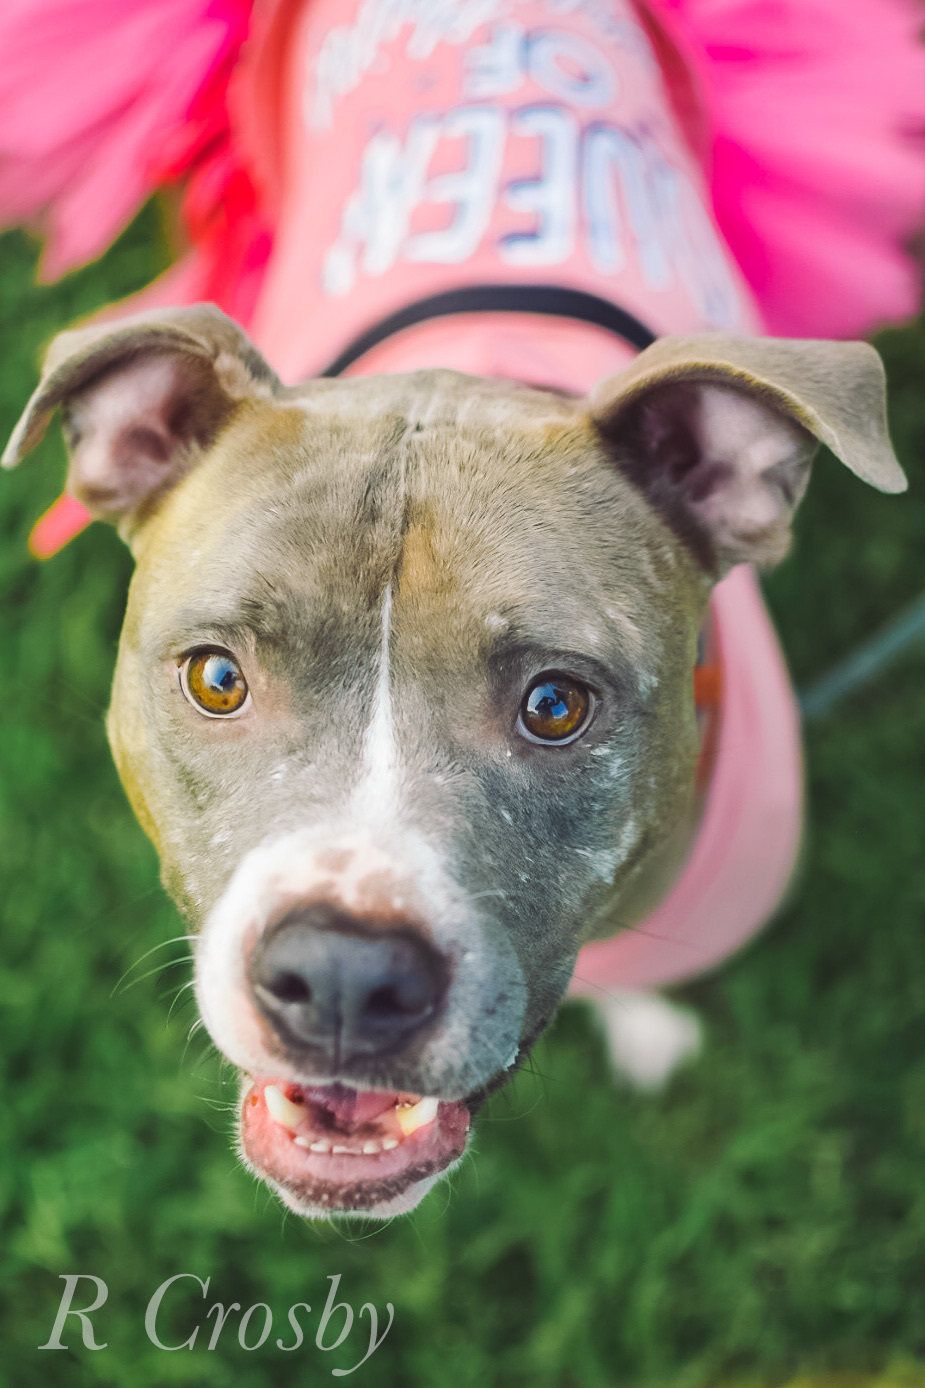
129	430
754	464
723	465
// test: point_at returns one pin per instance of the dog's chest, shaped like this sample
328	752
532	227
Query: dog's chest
435	146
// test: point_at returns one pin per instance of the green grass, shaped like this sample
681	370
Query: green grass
764	1217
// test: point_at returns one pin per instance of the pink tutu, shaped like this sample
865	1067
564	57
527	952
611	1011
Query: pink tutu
813	137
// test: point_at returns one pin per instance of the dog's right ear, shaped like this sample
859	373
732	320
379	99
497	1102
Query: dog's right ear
719	432
140	399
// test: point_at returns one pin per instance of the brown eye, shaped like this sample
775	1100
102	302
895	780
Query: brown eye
555	709
212	680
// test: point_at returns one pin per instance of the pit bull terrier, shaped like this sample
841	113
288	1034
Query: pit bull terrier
403	695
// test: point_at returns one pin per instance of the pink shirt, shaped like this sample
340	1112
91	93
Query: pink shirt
426	145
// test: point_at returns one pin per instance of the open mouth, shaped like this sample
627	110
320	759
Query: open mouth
331	1147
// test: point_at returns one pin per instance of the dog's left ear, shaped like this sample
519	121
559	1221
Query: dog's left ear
720	433
140	399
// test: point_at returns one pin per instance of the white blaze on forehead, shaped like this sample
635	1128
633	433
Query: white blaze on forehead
376	794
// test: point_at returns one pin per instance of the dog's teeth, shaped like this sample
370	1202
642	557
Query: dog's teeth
417	1116
388	1143
370	1147
319	1146
421	1113
280	1109
338	1150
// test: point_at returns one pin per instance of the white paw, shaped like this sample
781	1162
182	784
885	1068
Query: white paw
648	1038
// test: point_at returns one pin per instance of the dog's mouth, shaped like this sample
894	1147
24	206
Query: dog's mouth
334	1148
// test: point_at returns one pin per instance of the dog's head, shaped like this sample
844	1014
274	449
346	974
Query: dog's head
404	693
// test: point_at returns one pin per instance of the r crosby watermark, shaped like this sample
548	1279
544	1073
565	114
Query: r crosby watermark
188	1294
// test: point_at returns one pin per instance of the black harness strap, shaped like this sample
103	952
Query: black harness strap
551	300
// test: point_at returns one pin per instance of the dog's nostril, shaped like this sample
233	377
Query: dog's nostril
386	1002
289	987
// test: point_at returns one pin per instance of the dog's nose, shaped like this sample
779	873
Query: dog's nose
325	981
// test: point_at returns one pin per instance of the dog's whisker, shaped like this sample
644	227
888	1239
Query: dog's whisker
122	987
614	995
181	1006
207	1050
370	1229
161	944
217	1104
177	989
179	994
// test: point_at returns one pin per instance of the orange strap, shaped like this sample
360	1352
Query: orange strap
64	519
708	699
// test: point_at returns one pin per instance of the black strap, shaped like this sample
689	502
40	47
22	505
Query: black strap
553	300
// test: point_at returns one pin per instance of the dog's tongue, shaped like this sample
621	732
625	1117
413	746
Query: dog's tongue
350	1107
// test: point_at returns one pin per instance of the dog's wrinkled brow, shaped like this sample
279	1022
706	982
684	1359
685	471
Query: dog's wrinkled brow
276	619
511	658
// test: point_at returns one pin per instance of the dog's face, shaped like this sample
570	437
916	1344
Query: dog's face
403	695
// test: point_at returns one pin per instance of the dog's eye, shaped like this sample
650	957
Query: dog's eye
212	680
556	708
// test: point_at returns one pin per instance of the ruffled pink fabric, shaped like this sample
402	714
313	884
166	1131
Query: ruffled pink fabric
817	113
102	101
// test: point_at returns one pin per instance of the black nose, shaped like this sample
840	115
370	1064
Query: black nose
324	980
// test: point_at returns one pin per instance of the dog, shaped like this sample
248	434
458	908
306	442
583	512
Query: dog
446	625
403	695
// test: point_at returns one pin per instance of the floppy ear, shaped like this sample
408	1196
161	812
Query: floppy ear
140	398
720	433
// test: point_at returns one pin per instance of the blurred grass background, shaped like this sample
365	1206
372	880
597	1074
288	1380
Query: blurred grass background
762	1221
